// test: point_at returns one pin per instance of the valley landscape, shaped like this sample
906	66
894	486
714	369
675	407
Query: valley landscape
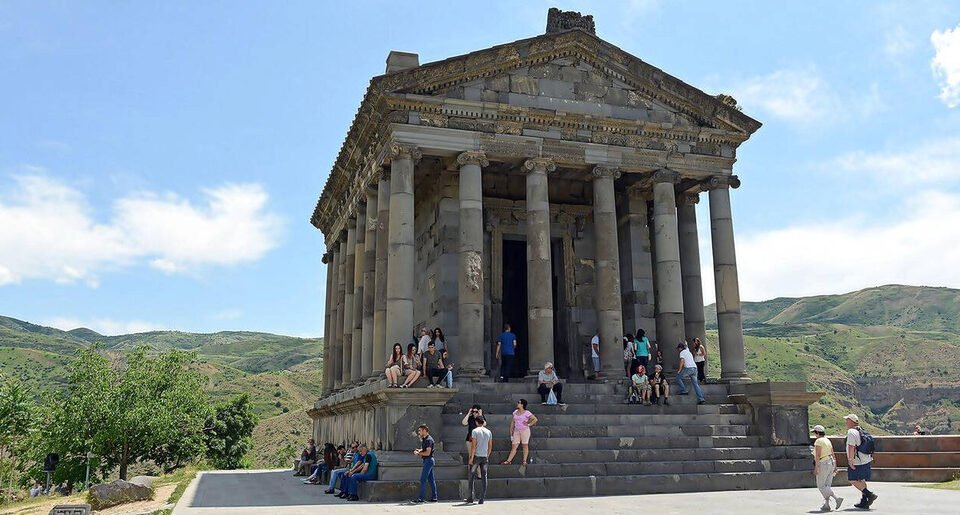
884	352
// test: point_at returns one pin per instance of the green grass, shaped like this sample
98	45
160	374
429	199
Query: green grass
949	485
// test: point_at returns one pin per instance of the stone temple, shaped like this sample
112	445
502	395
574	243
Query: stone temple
550	183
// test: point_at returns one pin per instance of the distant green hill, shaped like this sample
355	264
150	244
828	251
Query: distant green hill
886	352
281	373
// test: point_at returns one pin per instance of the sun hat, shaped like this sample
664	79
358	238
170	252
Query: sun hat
818	429
548	365
855	419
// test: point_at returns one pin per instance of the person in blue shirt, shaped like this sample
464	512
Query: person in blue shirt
506	350
366	472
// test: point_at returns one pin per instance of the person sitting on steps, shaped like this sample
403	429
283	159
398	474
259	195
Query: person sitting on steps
433	367
661	388
394	366
547	381
411	366
640	386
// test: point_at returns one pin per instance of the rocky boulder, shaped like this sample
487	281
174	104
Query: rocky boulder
117	492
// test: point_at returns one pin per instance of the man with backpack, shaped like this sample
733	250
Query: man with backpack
859	457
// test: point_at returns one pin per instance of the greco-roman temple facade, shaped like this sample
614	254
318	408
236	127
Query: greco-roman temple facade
550	183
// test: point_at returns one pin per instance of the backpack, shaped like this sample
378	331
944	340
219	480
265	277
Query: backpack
867	445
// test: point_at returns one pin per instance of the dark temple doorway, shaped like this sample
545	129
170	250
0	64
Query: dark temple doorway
515	300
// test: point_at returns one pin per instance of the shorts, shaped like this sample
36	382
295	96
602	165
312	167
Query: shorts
643	387
408	371
522	436
395	368
861	473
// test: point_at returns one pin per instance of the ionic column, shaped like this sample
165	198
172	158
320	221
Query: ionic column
356	354
607	268
327	335
401	259
733	365
336	364
539	270
371	359
349	264
667	268
380	344
693	318
470	300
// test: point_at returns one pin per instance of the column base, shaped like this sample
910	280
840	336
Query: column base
735	378
473	374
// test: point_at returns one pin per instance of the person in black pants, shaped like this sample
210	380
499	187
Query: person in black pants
506	350
433	367
548	380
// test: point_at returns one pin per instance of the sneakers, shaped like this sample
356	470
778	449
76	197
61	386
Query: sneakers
701	401
433	500
480	501
870	498
353	498
825	507
468	501
328	492
429	386
839	502
417	501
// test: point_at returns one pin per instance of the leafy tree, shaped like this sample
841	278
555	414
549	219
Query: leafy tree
16	425
149	407
228	433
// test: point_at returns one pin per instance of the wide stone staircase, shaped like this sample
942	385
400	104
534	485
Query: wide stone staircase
597	445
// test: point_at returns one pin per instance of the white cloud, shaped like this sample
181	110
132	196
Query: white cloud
48	231
847	255
801	96
104	326
917	246
932	161
946	64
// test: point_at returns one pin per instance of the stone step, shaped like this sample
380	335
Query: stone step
638	420
579	408
930	443
912	475
639	442
910	459
588	486
556	470
530	387
645	455
561	431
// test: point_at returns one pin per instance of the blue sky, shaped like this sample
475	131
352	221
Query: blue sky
159	161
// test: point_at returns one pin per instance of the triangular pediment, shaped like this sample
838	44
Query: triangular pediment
574	72
570	86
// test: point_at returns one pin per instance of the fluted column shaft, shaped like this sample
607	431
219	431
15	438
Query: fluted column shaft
356	352
729	324
327	333
336	365
693	317
349	263
539	269
668	279
371	359
401	258
470	300
380	344
607	267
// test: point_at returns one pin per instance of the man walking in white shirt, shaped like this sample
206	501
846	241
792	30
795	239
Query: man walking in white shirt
688	368
858	463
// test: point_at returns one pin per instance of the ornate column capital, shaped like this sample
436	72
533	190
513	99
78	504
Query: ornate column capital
688	199
539	165
666	175
327	256
405	151
473	157
605	171
377	175
720	181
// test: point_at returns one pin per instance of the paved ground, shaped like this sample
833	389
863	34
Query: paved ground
277	492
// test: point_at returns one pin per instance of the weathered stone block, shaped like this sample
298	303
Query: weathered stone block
545	71
590	92
556	88
117	492
499	83
524	85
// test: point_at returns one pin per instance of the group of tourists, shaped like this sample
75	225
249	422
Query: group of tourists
428	358
648	386
859	448
346	468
